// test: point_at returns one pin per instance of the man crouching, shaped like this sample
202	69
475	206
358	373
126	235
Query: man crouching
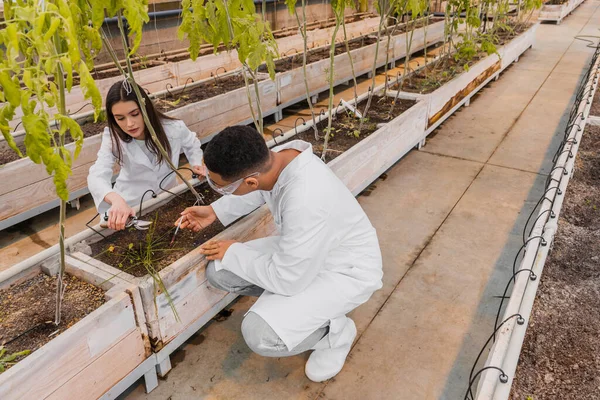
325	262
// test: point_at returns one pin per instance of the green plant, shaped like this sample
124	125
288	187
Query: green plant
339	8
146	254
44	43
291	4
9	360
235	25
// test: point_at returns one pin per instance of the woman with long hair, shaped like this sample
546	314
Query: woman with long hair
127	142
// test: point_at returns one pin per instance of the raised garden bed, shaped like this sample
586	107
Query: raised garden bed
100	342
559	358
443	101
557	11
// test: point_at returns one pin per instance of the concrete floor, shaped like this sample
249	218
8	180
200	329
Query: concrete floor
449	220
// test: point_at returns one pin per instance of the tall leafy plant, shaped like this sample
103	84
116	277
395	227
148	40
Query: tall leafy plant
291	4
339	8
235	25
45	42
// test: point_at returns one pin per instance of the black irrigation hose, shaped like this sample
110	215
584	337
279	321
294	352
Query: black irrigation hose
536	207
488	342
532	276
573	116
194	176
142	199
503	378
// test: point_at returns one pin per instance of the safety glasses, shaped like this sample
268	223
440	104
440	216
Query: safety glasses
230	188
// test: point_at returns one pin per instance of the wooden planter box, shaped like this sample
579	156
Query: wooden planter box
107	347
557	13
23	179
291	83
445	100
363	163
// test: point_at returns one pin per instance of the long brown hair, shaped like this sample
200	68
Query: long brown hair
118	93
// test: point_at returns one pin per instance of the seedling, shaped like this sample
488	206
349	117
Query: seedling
8	360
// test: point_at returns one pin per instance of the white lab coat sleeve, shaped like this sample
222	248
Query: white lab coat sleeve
100	174
230	208
304	245
190	144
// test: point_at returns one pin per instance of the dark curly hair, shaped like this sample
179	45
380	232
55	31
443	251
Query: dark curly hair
237	151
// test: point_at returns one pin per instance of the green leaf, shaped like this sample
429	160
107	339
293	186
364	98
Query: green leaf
68	124
53	27
291	5
11	89
89	88
37	139
6	113
136	13
61	171
68	68
13	38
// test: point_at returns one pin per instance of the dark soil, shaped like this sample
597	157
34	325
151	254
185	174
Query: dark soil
345	125
437	74
295	61
556	2
584	210
8	155
595	109
201	92
27	311
560	357
130	245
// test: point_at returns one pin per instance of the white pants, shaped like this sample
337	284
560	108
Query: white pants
259	335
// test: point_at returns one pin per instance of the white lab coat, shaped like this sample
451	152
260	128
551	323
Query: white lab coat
326	261
138	173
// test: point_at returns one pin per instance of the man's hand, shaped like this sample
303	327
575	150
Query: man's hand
216	249
197	218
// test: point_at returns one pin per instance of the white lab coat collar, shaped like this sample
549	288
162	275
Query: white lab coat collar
300	161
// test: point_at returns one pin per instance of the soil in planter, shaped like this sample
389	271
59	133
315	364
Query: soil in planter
9	155
435	75
560	358
125	248
27	311
206	90
345	125
556	2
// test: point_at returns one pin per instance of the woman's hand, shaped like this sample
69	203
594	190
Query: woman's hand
119	211
216	249
197	218
199	170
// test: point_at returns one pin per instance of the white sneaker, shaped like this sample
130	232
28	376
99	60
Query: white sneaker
325	363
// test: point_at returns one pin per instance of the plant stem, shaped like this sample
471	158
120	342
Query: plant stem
351	61
258	105
331	84
249	96
62	108
304	56
141	100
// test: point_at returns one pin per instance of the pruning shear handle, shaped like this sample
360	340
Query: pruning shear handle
132	221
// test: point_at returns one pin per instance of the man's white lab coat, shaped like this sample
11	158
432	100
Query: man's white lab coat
138	173
325	262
